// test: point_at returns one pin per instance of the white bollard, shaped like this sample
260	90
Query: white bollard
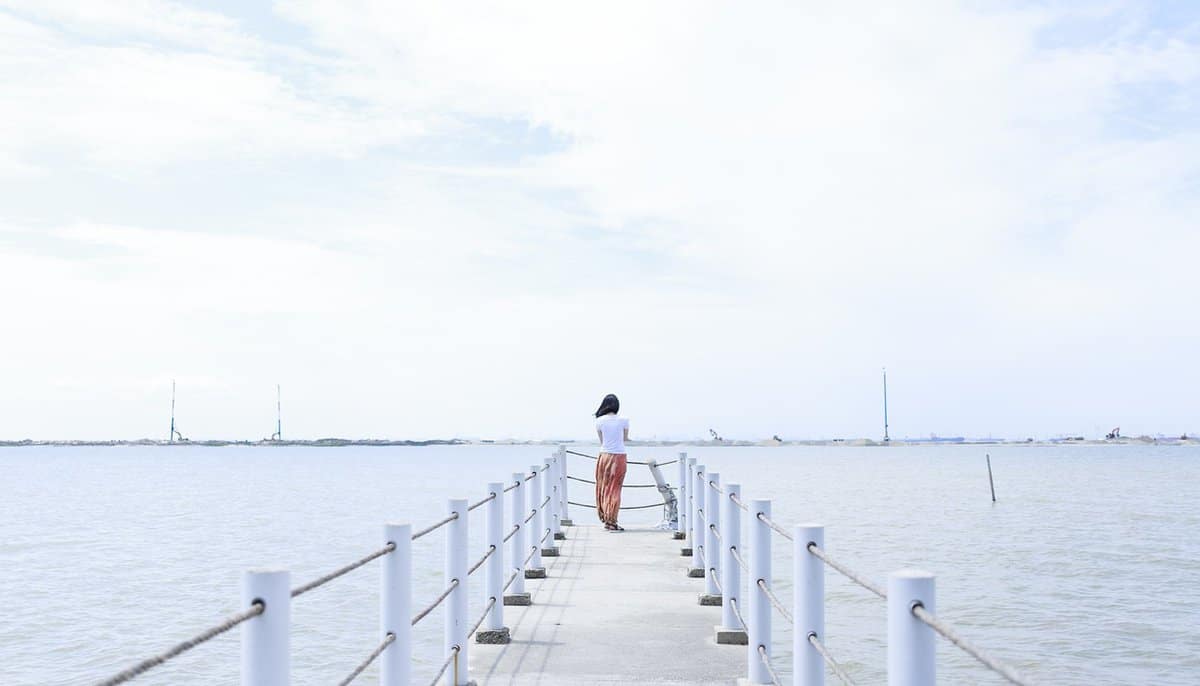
553	511
681	525
758	620
517	542
395	617
910	646
457	624
535	569
493	571
712	546
731	571
808	605
696	470
565	518
266	655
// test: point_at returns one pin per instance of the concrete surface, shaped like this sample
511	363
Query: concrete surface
615	608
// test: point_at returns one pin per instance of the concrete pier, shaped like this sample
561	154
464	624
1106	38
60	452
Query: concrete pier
615	608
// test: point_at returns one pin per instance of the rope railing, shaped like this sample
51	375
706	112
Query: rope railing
449	658
829	661
594	457
966	646
737	557
511	578
774	600
480	503
762	654
254	610
733	497
362	667
589	481
846	571
274	585
490	604
701	524
623	507
778	529
438	601
533	550
435	526
479	563
321	581
733	605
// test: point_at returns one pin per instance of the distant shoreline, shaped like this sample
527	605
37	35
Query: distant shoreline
855	442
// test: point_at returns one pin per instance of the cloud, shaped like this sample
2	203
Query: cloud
740	213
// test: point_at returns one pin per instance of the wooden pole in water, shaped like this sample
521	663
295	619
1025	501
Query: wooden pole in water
990	482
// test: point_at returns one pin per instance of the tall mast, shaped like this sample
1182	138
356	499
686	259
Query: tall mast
171	438
278	415
886	438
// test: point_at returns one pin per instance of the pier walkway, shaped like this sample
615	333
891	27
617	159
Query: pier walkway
615	608
634	607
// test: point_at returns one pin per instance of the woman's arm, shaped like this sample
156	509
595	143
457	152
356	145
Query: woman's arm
600	435
627	432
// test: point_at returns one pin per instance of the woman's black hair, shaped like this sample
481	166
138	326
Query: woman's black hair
610	405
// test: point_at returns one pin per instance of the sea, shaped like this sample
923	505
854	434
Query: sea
1086	569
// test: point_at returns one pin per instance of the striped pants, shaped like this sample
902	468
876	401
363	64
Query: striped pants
610	475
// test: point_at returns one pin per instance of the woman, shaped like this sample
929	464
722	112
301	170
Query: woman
610	469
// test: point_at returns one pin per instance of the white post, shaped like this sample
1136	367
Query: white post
911	655
758	620
681	525
808	605
266	657
712	546
562	478
697	518
517	542
457	624
493	571
731	571
553	509
536	525
395	617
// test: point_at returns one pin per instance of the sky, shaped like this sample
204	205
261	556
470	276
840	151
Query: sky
475	219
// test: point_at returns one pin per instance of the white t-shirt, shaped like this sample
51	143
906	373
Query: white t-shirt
612	431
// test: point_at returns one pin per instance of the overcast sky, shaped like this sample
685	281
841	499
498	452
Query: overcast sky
450	219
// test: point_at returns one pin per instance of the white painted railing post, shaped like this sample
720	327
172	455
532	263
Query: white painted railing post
731	571
565	512
681	524
517	542
395	617
457	624
535	569
758	621
553	487
266	654
808	605
493	630
712	546
911	654
697	488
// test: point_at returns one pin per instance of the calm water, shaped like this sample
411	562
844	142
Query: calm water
1087	571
